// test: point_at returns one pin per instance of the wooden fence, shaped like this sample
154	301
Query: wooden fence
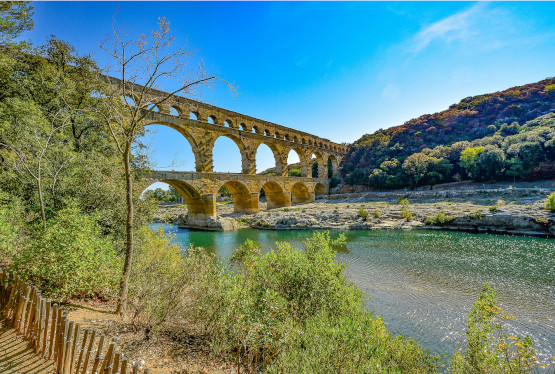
53	336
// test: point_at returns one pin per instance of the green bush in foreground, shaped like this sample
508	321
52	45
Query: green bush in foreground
293	310
70	257
550	202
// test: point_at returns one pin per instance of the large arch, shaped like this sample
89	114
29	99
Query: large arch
244	163
300	193
189	139
320	189
243	200
297	154
320	170
198	206
275	153
276	197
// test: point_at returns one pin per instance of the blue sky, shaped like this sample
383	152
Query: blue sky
336	69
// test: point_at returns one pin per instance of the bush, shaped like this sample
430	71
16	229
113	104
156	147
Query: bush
405	211
362	213
377	213
12	227
439	219
476	215
493	208
276	311
157	281
71	257
550	202
488	348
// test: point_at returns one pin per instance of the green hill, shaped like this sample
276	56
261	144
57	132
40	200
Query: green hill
433	143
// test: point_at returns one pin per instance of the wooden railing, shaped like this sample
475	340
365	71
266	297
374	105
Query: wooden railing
54	337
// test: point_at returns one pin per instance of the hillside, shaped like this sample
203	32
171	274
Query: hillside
497	115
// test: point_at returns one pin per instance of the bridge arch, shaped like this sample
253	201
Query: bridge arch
275	152
198	206
276	196
243	200
300	193
183	131
320	189
245	164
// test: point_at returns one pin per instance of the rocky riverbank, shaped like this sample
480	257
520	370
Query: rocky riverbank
508	211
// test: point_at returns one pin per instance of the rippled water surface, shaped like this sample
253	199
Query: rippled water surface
423	283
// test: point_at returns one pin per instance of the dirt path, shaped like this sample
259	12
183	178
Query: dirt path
17	355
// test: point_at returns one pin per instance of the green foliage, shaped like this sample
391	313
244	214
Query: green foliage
363	213
13	230
157	282
469	160
542	220
493	208
276	310
405	211
550	202
439	219
489	350
477	214
15	18
377	213
71	257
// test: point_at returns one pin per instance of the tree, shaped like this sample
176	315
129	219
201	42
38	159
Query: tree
491	162
141	64
15	18
514	168
469	161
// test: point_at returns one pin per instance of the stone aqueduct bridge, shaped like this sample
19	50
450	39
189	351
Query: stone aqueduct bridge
202	124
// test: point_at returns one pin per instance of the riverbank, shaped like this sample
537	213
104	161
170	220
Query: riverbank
503	211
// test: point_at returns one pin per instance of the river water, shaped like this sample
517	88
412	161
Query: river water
424	283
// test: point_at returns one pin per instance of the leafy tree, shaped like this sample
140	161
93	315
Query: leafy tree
469	161
491	162
147	62
15	18
514	168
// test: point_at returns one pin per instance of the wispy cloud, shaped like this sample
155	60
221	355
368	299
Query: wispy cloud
459	26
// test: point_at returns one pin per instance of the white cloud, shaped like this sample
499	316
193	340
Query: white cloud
459	26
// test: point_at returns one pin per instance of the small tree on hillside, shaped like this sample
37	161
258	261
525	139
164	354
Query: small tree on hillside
146	61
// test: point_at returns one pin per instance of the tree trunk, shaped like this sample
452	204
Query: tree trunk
129	246
41	201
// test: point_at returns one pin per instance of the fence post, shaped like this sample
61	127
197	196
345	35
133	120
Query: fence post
88	352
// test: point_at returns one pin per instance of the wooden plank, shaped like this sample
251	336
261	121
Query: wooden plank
98	355
45	333
61	344
40	324
68	342
123	369
53	330
82	350
74	344
106	367
30	313
115	364
135	368
88	352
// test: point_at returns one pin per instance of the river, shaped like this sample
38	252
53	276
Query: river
423	283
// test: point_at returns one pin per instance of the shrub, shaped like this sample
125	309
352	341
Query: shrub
493	208
12	227
541	220
405	211
70	257
488	348
550	202
157	282
362	213
439	219
377	213
476	215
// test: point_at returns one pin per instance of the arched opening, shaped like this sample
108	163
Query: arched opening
197	206
300	193
274	196
128	100
295	139
266	160
154	108
267	132
276	135
227	155
287	137
242	127
193	115
332	166
168	147
227	123
320	189
243	200
317	165
211	119
294	164
303	141
255	129
174	112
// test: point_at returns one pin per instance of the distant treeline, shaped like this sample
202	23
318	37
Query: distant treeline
459	144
